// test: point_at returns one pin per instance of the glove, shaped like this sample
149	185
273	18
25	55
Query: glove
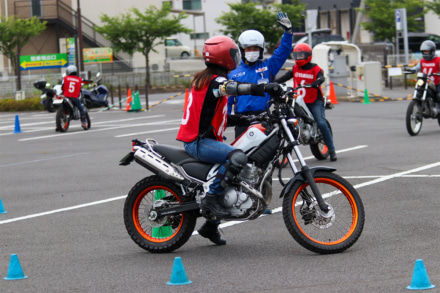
284	21
315	84
274	89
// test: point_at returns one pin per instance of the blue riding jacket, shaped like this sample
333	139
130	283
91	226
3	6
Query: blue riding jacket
263	71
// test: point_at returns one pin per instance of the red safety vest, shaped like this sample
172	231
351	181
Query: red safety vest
301	76
432	66
196	111
72	86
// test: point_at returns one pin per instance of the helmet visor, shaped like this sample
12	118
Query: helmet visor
301	55
236	56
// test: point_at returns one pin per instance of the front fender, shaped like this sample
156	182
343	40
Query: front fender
300	177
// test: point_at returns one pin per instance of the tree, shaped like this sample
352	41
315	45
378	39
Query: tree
434	6
142	32
244	16
15	33
383	20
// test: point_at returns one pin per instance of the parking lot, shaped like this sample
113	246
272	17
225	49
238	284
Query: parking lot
64	194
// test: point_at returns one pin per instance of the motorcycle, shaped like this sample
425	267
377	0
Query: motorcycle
97	96
423	103
321	210
48	94
67	111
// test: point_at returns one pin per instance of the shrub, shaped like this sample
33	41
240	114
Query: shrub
12	105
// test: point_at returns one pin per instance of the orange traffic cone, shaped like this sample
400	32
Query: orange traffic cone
129	99
332	95
186	99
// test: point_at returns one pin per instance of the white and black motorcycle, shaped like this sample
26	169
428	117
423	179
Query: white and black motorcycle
321	210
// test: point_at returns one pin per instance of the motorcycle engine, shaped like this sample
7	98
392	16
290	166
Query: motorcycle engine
236	201
305	132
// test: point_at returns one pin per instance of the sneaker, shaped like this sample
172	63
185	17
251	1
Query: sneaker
84	125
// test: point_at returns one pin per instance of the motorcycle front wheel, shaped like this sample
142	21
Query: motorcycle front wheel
160	235
414	118
315	231
320	149
62	119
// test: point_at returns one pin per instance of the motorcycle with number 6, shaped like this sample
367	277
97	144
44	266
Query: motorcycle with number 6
321	210
423	103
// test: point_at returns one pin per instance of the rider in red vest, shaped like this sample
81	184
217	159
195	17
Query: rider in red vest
429	64
306	72
71	87
205	119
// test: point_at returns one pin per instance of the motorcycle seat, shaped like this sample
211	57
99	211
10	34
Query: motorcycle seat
179	156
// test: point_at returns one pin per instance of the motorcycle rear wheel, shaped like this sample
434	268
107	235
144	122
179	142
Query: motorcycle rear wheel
163	235
316	232
48	104
320	149
62	120
414	118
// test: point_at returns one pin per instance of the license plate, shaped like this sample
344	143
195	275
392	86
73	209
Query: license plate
58	102
127	159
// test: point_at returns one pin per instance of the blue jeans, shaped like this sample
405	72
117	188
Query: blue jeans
318	110
210	151
78	104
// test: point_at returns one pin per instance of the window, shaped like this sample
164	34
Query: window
199	36
192	4
171	3
36	8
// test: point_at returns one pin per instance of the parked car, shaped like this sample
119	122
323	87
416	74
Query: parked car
174	48
416	39
299	35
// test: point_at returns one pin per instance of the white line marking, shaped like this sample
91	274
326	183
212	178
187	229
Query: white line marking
37	161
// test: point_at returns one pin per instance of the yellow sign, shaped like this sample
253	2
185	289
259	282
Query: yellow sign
98	55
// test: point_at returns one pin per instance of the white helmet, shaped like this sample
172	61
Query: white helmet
71	70
251	38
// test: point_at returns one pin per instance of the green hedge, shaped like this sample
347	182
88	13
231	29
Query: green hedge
29	104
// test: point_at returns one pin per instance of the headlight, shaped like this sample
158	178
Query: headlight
420	82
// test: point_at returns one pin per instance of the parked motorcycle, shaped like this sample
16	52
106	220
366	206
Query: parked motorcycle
423	103
97	96
321	210
67	111
48	94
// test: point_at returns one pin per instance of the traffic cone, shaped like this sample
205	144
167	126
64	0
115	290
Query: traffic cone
366	98
14	271
129	99
136	105
186	99
332	94
178	274
2	209
17	125
164	231
420	279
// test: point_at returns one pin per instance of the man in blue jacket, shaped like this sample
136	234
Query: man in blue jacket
255	70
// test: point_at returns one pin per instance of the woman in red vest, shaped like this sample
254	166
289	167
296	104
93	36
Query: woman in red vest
205	119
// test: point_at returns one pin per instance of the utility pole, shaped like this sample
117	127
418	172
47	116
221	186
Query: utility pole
80	39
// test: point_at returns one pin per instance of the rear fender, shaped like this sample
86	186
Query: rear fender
300	177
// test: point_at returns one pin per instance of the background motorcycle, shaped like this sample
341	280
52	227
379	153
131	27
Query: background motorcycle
48	94
67	112
321	210
423	104
310	133
97	96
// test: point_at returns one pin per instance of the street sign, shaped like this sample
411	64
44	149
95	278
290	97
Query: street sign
98	55
45	61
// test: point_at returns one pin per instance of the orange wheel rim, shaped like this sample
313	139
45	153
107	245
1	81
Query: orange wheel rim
348	196
137	220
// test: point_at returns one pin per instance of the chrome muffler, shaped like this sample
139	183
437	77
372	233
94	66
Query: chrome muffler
156	164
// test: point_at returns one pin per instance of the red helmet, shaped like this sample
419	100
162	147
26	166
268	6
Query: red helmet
221	51
302	53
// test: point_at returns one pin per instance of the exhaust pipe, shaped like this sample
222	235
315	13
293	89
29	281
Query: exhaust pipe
155	164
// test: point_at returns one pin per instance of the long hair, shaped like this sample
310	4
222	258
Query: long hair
201	79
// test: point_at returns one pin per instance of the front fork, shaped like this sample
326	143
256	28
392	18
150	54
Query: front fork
305	170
